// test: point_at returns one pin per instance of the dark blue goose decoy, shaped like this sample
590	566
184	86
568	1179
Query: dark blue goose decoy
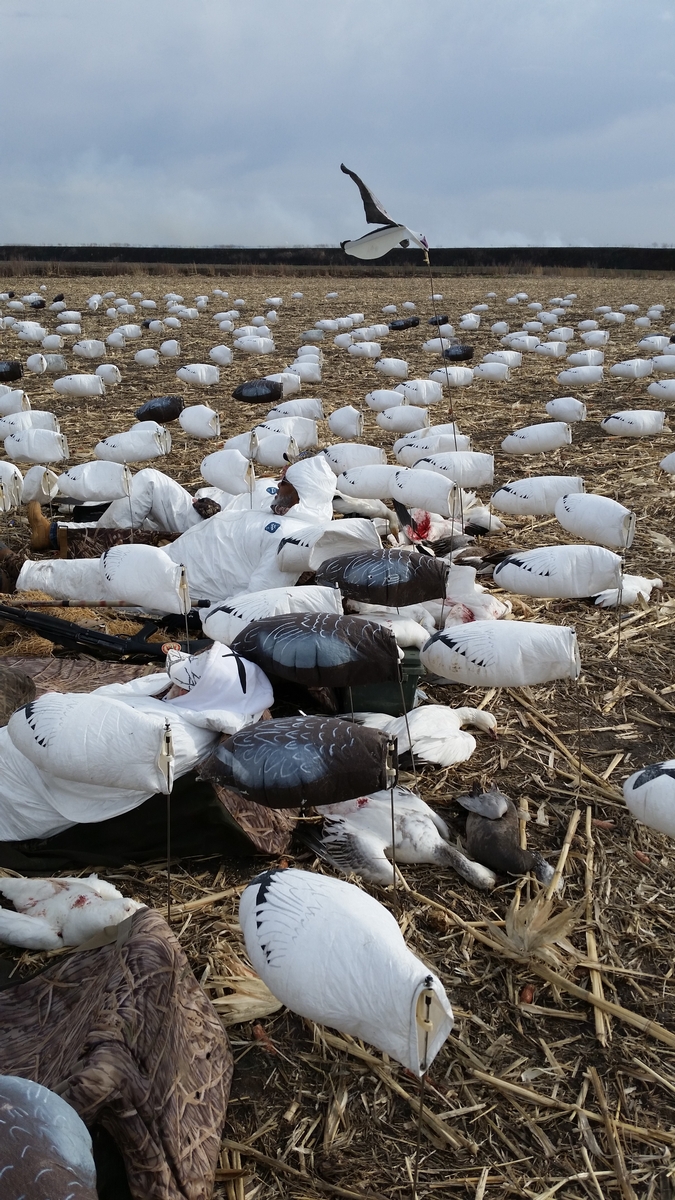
404	323
458	353
161	409
259	391
390	577
297	761
45	1147
9	371
321	649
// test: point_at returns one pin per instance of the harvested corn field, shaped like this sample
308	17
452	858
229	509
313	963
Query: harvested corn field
557	1077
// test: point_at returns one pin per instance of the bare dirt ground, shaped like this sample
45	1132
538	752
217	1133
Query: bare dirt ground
537	1092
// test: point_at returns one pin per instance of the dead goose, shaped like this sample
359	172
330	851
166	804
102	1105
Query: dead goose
492	835
357	836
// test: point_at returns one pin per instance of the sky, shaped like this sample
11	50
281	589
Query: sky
223	122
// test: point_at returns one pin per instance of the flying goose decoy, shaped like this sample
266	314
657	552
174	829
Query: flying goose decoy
379	241
357	837
492	835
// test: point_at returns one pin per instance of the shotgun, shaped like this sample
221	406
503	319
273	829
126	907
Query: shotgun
71	636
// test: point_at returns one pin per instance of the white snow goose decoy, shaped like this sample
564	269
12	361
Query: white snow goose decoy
492	835
333	954
650	796
357	836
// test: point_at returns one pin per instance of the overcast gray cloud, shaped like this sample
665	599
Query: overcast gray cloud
217	122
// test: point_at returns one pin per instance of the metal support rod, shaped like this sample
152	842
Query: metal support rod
168	858
405	718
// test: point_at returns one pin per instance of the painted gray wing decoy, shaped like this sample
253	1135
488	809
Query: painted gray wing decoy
376	213
292	761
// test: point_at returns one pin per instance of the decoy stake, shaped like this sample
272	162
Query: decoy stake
166	762
391	783
184	592
424	1028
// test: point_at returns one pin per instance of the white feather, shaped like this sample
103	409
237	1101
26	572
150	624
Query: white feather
60	912
632	586
436	731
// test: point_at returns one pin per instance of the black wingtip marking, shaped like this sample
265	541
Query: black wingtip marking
653	772
264	882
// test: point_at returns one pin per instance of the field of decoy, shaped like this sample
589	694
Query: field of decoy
557	1079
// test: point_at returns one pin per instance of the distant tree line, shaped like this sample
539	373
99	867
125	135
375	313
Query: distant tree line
501	260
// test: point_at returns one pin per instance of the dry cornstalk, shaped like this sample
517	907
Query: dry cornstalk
602	1027
538	1098
647	691
536	719
275	1164
437	1126
192	906
614	1144
562	858
523	813
652	1028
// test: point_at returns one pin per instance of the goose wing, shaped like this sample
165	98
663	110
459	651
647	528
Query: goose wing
437	736
24	893
283	906
445	750
33	933
492	804
351	851
410	802
44	717
376	213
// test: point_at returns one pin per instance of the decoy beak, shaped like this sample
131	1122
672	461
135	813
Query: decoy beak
493	734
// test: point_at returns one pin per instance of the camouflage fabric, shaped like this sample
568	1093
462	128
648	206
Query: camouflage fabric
91	543
126	1036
